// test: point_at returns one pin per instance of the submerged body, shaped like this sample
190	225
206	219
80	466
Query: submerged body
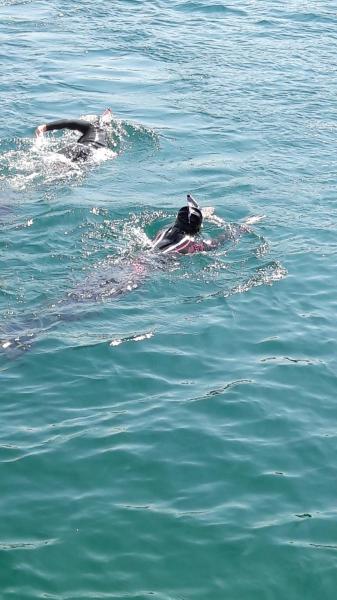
122	275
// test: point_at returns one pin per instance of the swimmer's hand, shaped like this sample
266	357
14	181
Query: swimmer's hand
208	213
245	226
40	130
254	219
106	117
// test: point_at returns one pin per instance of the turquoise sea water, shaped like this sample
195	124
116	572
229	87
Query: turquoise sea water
177	441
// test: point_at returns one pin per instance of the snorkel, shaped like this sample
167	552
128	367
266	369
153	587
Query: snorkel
192	202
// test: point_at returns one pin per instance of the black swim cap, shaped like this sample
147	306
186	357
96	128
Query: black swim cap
189	219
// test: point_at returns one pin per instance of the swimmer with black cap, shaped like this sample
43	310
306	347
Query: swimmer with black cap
94	135
182	236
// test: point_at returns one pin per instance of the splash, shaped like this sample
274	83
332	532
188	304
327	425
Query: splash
266	274
31	162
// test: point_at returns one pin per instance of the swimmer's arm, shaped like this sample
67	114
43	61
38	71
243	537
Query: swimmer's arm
197	246
77	125
203	245
207	245
232	234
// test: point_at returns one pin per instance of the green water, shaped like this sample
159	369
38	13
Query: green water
176	441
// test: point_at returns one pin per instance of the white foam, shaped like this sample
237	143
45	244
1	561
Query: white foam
133	338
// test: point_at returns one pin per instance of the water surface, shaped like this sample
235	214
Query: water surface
175	442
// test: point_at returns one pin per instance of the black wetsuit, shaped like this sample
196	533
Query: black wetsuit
93	136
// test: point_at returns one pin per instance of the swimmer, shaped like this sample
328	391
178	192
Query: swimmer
94	135
182	236
126	274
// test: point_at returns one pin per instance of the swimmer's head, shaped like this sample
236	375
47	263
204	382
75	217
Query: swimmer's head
189	219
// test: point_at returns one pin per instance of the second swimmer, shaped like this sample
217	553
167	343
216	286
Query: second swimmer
94	135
